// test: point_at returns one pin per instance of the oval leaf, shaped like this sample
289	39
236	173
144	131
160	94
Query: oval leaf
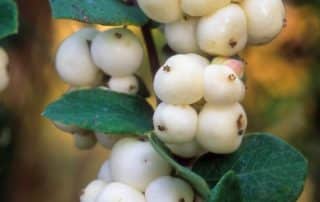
268	168
8	18
105	12
197	182
227	189
103	111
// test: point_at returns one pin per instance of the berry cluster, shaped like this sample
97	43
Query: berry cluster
136	172
4	76
216	27
107	59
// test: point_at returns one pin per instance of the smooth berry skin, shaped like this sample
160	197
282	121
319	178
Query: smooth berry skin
180	80
266	19
169	189
187	150
126	84
181	35
91	192
136	163
117	52
222	85
221	128
164	11
73	60
175	123
202	7
119	192
224	32
105	173
107	140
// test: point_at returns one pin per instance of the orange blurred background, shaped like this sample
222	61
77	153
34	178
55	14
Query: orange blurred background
283	98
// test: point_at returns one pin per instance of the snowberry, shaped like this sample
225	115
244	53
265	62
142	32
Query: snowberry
221	128
202	7
237	65
224	32
175	123
181	35
199	59
266	19
4	77
136	163
117	52
91	192
169	189
222	85
105	172
164	11
180	80
186	150
74	63
84	141
107	140
126	84
118	192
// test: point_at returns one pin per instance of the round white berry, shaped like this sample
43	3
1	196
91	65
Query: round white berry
107	140
175	123
224	32
91	192
237	65
126	84
222	85
202	61
221	128
117	52
202	7
163	11
4	76
181	35
73	61
180	80
105	172
266	19
84	141
186	150
136	163
169	189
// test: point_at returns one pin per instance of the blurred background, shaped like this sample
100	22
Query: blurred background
39	163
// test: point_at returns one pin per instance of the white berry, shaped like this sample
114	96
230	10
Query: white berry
91	192
181	35
266	19
136	163
221	128
202	7
126	84
202	61
224	32
84	141
118	192
237	65
164	11
73	61
169	189
105	172
180	80
107	140
222	85
175	123
117	52
187	150
4	76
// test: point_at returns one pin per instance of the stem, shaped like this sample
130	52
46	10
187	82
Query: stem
151	49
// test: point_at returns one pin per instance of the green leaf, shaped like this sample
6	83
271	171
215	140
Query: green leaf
269	169
227	189
105	12
198	183
8	18
103	111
